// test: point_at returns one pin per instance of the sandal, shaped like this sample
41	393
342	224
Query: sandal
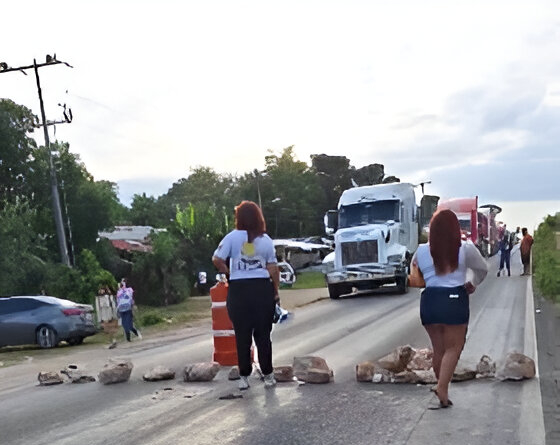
449	402
437	404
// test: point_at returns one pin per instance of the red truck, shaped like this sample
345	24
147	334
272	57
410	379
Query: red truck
478	224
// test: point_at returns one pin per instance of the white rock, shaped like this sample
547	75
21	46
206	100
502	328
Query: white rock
117	370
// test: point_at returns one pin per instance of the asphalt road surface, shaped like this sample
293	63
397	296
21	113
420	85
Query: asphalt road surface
344	332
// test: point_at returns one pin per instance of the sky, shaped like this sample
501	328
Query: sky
463	94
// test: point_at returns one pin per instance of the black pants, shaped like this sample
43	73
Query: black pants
250	305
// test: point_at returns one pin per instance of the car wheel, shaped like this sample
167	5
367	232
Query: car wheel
46	337
74	341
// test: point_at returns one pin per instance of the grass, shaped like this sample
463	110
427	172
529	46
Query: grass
309	280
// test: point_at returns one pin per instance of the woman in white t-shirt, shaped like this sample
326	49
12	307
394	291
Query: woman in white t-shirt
444	305
253	288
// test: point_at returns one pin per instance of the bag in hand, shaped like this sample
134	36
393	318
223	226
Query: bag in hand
416	279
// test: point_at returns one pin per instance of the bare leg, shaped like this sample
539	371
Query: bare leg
435	331
454	340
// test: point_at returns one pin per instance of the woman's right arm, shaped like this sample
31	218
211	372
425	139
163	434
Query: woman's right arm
476	262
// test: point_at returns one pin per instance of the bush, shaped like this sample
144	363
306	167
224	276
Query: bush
546	259
151	318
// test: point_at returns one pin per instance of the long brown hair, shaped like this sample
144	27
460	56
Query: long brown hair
445	241
249	217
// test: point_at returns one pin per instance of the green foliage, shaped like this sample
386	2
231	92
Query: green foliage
546	259
16	150
144	211
21	264
79	284
151	319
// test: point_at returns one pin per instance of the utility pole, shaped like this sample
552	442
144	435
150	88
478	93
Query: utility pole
57	211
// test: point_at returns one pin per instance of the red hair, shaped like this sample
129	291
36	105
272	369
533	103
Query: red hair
249	217
445	241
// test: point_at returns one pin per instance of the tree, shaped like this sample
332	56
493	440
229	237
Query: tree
21	266
16	150
144	211
292	198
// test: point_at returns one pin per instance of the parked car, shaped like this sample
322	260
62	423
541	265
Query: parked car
45	321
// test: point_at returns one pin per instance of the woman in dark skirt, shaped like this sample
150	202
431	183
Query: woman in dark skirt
444	304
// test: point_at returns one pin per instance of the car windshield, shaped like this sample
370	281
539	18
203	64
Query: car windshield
369	212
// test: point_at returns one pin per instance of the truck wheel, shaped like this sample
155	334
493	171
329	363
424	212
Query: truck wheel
336	290
402	285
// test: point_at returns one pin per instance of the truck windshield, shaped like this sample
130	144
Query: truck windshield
368	213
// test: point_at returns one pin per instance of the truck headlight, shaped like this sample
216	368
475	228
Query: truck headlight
394	258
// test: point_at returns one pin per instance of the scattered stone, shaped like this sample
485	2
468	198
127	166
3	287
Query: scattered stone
312	369
421	360
48	378
382	375
77	374
406	377
284	373
463	373
485	368
116	371
201	372
159	373
397	360
517	366
425	377
113	344
234	373
365	371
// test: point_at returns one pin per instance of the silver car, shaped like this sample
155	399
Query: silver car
45	321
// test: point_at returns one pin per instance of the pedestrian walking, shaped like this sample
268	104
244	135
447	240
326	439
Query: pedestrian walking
506	244
444	303
125	304
526	244
253	288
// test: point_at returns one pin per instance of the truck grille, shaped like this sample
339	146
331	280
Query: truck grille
359	252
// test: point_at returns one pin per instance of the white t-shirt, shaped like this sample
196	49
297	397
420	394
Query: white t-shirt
469	258
247	260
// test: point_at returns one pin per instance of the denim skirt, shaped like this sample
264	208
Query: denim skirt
444	305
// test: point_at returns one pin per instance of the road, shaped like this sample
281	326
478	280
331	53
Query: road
344	332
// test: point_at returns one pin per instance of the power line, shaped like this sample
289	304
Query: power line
61	235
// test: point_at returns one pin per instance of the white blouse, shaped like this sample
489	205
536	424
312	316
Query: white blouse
469	258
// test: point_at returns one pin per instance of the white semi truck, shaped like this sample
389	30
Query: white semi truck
376	232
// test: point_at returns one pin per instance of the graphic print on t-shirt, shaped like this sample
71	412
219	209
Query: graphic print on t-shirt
248	260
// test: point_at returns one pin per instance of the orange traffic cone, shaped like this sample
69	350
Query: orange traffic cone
225	350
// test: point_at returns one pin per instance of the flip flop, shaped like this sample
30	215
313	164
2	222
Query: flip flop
437	404
434	390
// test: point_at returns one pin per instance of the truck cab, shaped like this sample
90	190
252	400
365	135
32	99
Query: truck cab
375	234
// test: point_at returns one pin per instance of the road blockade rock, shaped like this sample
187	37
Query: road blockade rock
421	359
425	377
48	378
77	374
284	373
463	373
234	373
201	372
117	370
485	368
365	371
397	360
516	366
159	373
312	369
406	377
382	376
